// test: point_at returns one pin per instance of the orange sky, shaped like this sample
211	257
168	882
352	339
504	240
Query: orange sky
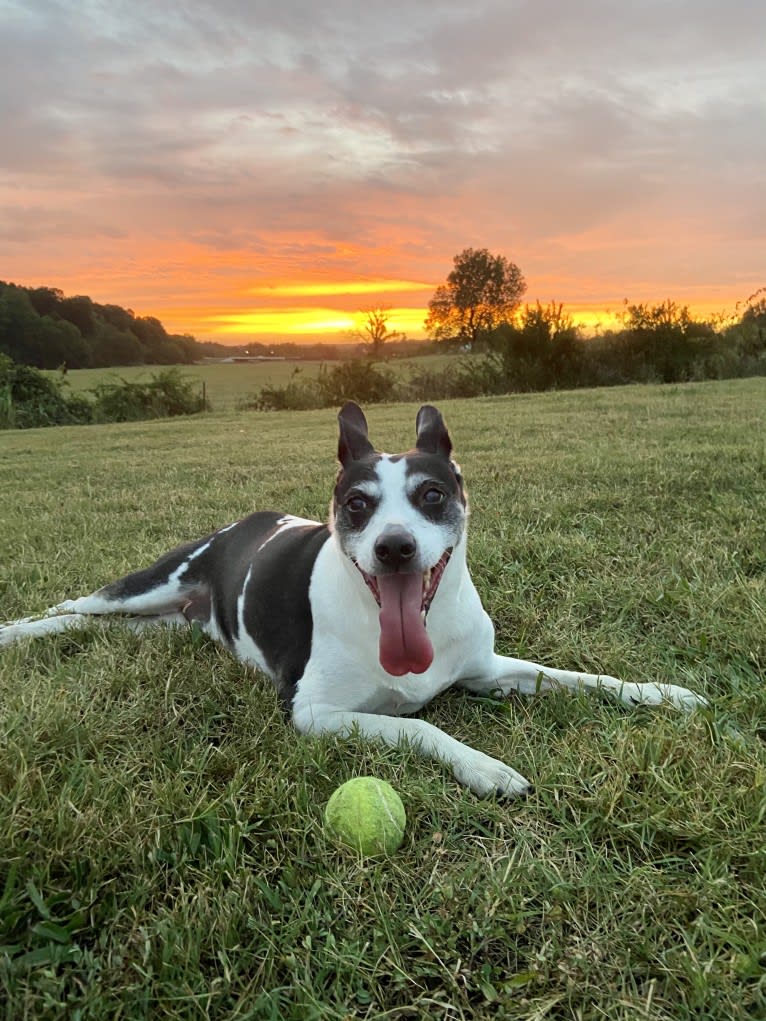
244	173
330	311
304	323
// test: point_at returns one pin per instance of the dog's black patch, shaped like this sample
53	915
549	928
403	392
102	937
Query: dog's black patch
272	565
348	481
277	611
139	583
441	471
211	576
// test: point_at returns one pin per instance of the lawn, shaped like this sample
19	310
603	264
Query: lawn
161	846
228	384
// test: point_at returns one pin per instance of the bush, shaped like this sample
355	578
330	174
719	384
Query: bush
297	395
348	381
166	394
437	383
29	399
355	381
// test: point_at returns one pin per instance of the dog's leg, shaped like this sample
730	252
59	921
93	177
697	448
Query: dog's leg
501	675
483	774
156	595
31	627
42	627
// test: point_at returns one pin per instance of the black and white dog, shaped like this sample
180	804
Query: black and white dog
361	622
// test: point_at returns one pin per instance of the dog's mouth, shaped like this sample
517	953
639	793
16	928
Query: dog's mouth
430	582
404	600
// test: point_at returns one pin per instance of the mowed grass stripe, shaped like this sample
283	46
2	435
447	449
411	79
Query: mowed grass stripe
161	844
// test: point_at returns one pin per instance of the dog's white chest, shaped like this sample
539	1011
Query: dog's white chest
399	701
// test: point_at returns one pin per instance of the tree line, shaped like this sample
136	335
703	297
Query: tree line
478	309
537	347
518	348
41	327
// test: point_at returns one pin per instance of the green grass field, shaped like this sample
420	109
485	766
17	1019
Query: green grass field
227	384
161	848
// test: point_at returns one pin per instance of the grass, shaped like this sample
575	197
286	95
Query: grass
228	384
161	849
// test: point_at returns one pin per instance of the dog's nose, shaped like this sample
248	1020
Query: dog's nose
395	547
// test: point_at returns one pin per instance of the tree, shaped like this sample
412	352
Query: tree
39	326
664	342
118	316
60	342
18	321
78	311
755	307
752	327
375	331
45	300
482	291
116	347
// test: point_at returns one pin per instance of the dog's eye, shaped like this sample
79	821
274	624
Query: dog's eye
356	503
432	497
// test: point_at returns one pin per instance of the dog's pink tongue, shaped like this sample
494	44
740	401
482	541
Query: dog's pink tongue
404	644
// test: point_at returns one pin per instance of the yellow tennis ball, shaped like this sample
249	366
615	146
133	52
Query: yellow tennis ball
367	815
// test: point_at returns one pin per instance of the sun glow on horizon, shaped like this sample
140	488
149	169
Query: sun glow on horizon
340	320
329	323
283	320
316	290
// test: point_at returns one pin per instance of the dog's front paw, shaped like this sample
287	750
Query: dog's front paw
68	606
656	694
487	776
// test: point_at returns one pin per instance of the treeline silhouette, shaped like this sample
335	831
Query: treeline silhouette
40	326
543	349
661	343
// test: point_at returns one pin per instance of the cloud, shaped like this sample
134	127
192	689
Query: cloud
267	143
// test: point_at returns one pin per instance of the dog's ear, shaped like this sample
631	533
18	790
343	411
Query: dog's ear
433	437
352	442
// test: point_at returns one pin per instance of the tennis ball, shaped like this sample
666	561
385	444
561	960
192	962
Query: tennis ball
367	815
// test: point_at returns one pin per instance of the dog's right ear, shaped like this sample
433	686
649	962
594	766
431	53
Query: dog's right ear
352	442
433	437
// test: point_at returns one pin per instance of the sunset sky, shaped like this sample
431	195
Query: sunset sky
260	170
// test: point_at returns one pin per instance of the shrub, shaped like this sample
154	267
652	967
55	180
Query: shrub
30	399
296	395
355	381
438	384
165	394
348	381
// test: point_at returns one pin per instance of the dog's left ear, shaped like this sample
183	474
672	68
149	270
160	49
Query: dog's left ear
353	443
433	437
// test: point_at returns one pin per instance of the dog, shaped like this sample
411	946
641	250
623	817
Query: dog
359	622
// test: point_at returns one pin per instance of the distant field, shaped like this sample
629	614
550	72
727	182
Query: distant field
227	384
162	856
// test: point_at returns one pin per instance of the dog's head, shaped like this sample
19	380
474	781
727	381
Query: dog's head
398	519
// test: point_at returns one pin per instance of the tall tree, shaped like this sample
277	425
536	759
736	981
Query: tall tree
482	291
